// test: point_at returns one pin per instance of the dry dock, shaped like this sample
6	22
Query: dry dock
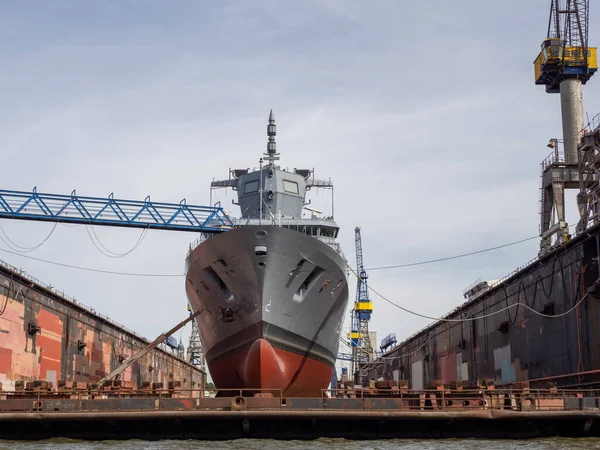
521	343
365	415
47	337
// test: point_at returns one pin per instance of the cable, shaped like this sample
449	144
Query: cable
467	319
391	357
9	299
88	269
474	318
431	261
359	349
385	358
447	258
142	235
7	295
110	253
3	309
18	248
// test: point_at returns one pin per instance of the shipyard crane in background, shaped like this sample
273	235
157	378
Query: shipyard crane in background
195	351
564	64
361	313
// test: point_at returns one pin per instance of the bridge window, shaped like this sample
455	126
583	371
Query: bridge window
290	186
328	232
251	186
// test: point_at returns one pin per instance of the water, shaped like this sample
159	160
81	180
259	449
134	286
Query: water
341	444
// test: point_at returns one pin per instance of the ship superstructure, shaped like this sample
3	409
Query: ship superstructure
274	287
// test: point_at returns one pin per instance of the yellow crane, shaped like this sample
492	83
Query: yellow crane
565	63
565	54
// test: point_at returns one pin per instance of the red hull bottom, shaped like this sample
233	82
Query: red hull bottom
265	367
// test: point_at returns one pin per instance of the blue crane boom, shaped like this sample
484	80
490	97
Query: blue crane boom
362	291
112	212
361	314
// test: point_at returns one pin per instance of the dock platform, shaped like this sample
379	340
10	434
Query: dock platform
368	415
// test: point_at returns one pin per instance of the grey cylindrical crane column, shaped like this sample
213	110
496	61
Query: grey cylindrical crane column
571	102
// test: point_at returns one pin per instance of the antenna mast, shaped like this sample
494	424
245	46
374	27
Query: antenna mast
271	155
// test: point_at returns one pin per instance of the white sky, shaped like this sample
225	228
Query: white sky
424	115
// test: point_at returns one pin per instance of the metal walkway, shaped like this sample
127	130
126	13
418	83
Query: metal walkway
112	212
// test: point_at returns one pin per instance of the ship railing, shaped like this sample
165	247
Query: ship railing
591	125
27	400
296	224
284	221
199	240
472	285
556	157
354	398
443	399
331	242
514	272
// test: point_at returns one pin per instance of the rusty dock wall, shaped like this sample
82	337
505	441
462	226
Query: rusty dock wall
516	345
45	335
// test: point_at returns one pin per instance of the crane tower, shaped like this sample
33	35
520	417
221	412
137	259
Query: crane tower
361	314
195	352
564	64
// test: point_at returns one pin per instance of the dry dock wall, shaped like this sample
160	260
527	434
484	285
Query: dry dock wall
517	344
45	336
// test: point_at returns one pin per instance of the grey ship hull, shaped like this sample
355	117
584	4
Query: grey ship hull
274	302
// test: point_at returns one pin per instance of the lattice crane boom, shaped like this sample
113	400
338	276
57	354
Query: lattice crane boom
569	22
361	314
362	291
565	53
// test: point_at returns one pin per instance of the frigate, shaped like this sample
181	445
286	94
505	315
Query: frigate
273	288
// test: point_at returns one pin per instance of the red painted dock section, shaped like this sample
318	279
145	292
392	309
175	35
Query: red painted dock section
46	336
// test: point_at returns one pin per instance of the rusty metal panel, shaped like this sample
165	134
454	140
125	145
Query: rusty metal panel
138	403
16	405
383	403
210	403
100	405
416	380
61	405
119	404
177	403
263	403
344	403
572	404
555	403
303	403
